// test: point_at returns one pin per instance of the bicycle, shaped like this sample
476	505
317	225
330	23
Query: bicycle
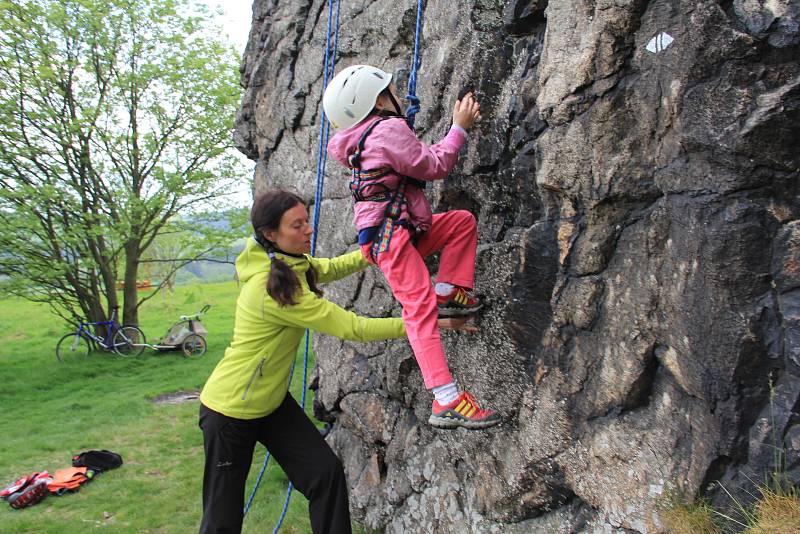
121	340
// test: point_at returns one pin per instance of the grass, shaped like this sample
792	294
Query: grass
774	509
681	517
777	512
52	410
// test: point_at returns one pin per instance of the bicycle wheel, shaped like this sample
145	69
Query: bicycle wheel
194	346
72	347
129	341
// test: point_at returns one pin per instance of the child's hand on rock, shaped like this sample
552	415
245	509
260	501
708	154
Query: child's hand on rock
466	111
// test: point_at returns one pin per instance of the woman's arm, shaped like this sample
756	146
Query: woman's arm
324	316
332	269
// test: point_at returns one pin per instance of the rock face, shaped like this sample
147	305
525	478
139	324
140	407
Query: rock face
639	251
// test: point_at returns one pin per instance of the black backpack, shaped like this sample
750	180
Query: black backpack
97	460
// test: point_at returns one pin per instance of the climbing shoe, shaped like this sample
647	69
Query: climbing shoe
462	412
29	495
457	303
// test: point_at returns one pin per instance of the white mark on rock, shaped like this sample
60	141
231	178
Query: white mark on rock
660	43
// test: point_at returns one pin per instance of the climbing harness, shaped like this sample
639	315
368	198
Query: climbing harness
360	185
363	180
392	212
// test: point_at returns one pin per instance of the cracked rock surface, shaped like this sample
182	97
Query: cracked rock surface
639	252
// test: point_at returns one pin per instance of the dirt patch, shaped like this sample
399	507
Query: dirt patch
177	397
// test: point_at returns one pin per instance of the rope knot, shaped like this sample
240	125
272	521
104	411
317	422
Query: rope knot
413	109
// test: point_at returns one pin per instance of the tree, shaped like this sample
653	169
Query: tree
115	117
179	242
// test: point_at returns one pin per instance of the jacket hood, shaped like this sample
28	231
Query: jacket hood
344	142
254	260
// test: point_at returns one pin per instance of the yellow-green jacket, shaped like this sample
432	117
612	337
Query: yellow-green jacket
251	379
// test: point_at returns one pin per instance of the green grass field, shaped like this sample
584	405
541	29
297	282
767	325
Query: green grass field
52	410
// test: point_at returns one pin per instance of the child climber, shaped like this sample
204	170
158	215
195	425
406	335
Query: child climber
396	229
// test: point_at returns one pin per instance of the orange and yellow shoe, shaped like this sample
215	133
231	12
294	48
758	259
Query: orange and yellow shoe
462	412
457	303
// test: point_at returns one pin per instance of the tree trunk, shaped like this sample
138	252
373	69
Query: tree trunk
130	298
98	314
90	301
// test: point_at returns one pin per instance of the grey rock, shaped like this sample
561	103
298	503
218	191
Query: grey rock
786	258
639	252
775	21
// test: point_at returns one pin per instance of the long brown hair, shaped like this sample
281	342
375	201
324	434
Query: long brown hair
282	284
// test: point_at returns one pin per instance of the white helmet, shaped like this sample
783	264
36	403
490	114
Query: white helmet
351	94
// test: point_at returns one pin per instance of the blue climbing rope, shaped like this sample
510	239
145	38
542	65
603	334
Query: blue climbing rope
413	109
324	124
322	158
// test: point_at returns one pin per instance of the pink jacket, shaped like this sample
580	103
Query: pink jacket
392	144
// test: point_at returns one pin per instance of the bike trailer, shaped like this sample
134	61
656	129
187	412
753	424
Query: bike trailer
178	333
185	327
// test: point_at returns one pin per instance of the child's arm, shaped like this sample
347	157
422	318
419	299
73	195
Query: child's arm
332	269
411	157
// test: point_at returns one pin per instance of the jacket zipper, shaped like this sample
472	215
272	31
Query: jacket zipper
257	370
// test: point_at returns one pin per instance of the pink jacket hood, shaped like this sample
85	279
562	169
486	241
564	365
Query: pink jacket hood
344	142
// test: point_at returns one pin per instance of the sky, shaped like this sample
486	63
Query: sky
234	18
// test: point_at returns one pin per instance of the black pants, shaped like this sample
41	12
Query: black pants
294	442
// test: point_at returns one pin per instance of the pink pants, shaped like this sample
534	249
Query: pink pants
455	233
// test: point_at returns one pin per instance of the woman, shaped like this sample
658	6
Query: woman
245	399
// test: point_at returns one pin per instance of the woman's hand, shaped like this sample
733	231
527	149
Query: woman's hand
466	111
457	323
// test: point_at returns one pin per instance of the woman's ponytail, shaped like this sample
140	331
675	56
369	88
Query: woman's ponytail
282	284
311	278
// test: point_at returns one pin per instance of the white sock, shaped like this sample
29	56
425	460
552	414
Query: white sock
446	394
443	288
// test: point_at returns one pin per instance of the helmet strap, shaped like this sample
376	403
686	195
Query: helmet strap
395	104
384	113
